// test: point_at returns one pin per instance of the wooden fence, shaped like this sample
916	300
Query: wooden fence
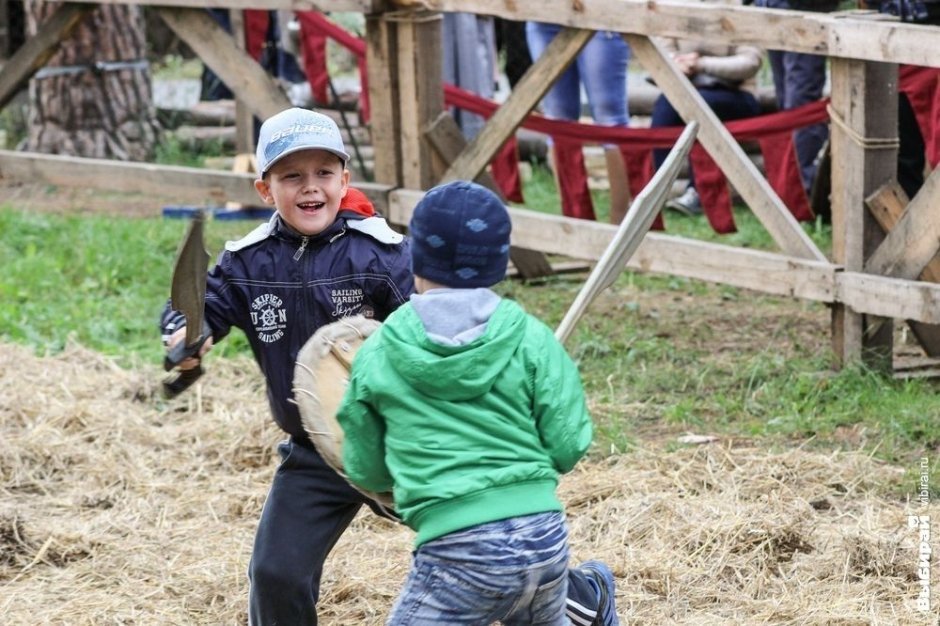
882	252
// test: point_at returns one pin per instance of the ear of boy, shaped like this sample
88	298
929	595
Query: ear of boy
264	191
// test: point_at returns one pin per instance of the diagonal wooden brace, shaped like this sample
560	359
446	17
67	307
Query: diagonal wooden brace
888	206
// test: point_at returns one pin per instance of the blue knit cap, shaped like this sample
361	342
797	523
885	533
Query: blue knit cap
460	236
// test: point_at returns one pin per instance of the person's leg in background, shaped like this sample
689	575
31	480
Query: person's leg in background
602	66
805	79
561	102
728	104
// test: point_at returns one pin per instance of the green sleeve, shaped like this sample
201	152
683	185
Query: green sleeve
364	443
561	412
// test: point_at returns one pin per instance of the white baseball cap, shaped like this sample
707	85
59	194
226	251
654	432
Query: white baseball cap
294	130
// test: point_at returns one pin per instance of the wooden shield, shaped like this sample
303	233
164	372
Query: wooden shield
321	375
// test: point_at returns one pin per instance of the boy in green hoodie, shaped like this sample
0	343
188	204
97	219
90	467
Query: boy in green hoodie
468	409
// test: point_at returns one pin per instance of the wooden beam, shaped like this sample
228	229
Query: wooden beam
763	272
864	157
382	67
421	94
244	121
915	239
887	205
248	81
447	140
39	48
183	184
537	80
847	35
351	6
715	138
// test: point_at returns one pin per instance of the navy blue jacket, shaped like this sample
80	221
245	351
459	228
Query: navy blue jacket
280	287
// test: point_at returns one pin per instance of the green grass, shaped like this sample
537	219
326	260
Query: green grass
96	280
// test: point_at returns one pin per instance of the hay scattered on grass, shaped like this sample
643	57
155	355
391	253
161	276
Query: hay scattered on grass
118	507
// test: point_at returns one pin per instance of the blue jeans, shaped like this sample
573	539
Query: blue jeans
512	570
601	67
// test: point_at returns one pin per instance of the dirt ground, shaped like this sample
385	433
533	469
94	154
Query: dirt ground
118	507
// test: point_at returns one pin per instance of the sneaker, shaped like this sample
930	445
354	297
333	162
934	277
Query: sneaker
687	204
604	579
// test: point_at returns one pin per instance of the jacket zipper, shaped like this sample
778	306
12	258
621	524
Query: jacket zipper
300	250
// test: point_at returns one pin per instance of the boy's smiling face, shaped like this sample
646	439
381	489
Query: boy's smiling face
306	188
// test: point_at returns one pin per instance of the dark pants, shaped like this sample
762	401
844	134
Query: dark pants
800	79
728	104
307	509
912	157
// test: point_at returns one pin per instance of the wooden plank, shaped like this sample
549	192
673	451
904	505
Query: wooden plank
353	6
244	121
537	80
447	140
915	239
846	35
864	157
887	205
886	297
184	184
39	48
382	67
421	94
248	81
715	138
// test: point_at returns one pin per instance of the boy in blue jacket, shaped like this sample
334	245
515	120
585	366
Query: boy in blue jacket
317	260
468	409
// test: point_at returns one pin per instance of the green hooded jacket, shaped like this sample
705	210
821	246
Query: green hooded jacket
463	435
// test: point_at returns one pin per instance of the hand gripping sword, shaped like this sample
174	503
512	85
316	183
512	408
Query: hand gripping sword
188	296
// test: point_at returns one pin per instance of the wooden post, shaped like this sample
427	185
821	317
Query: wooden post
864	157
421	94
382	66
244	121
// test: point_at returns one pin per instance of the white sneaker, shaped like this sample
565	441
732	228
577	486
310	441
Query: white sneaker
687	204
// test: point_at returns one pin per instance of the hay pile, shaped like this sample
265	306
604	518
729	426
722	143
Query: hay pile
119	508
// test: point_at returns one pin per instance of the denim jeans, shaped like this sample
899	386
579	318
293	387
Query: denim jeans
512	570
601	67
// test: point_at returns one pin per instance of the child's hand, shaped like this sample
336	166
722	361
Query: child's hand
190	363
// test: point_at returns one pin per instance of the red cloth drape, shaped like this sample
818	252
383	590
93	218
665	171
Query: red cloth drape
921	85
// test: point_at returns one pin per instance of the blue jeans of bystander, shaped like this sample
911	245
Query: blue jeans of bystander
601	67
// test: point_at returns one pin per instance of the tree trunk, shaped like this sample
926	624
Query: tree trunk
94	97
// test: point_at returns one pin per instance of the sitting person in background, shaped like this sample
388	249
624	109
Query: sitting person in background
720	72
